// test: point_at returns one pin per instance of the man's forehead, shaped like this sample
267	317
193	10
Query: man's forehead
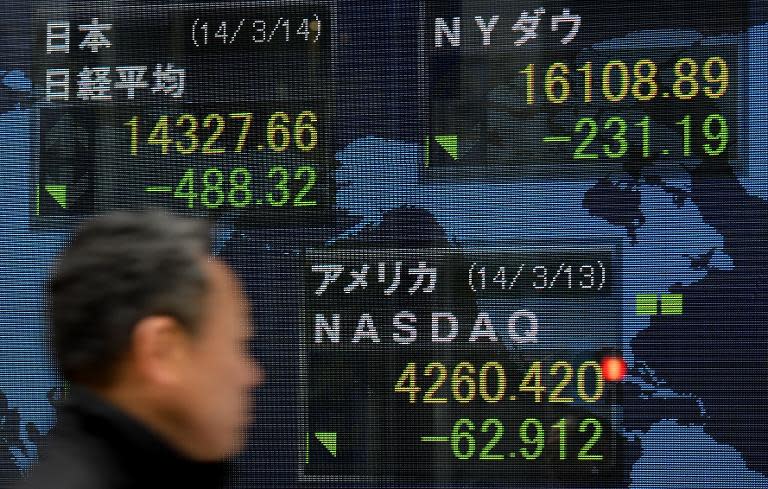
220	272
224	283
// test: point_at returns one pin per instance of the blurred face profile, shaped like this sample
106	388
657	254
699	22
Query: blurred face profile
219	374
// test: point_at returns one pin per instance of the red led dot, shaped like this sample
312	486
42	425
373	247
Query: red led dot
614	368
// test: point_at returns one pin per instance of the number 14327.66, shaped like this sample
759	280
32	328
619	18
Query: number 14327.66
214	133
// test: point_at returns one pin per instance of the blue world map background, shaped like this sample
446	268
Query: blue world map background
696	392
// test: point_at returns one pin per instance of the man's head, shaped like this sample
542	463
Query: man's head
144	316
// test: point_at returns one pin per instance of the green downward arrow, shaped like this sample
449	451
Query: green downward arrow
328	439
59	194
450	143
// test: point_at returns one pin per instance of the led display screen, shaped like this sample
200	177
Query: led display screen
486	243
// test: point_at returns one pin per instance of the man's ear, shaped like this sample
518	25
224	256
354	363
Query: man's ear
160	348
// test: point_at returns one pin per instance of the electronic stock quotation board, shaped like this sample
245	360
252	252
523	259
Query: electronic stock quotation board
450	216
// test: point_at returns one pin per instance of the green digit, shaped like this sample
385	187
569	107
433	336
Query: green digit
721	135
686	123
498	432
457	435
591	135
620	137
185	189
311	177
282	185
537	440
646	125
240	193
560	425
213	193
584	452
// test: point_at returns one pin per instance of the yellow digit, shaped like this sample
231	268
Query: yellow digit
608	70
133	123
529	81
159	135
567	369
586	68
190	133
442	375
686	76
501	382
407	382
458	379
649	79
217	121
247	118
552	80
278	134
532	382
721	78
305	132
581	382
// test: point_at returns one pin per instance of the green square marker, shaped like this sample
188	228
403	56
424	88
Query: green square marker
646	305
672	304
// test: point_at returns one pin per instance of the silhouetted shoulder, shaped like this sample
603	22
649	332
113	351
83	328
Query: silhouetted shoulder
74	463
96	445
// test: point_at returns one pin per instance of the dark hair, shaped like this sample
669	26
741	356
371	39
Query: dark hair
118	269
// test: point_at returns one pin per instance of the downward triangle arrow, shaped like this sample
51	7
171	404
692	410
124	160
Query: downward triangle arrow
328	439
450	143
59	194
